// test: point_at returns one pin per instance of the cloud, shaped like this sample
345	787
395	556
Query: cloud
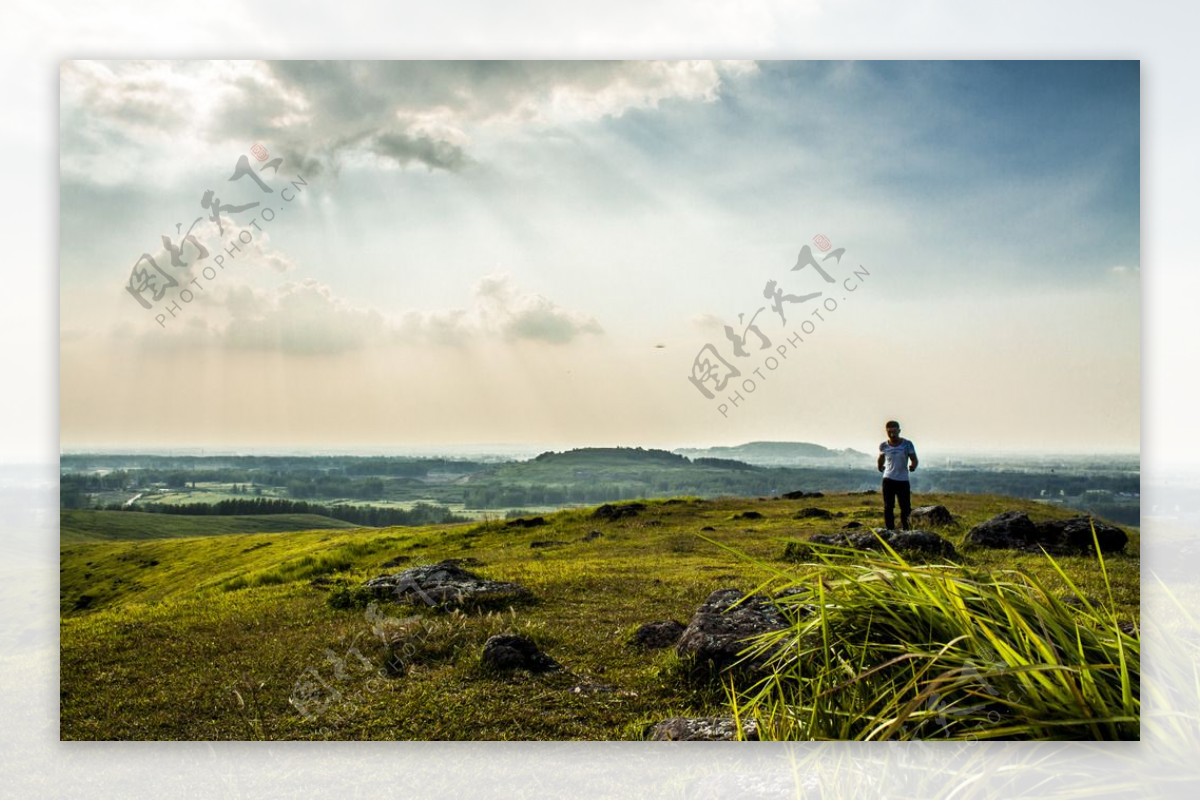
500	309
318	114
404	148
707	322
514	315
306	318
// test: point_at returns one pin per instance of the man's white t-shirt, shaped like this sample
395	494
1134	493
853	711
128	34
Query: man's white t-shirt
895	459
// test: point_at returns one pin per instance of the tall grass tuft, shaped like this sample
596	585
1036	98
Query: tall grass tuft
881	649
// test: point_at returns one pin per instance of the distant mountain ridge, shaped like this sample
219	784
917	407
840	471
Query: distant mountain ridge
765	452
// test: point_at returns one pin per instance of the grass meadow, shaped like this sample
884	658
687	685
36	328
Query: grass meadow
166	635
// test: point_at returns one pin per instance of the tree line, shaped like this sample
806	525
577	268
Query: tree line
419	515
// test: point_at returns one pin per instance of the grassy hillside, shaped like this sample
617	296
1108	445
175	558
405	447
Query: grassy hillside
208	637
85	525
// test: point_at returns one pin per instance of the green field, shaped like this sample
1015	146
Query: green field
166	636
84	525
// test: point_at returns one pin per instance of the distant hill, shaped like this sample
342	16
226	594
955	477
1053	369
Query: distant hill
776	453
594	456
596	475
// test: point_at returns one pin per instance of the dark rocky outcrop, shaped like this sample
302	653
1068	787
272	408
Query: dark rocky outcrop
526	522
814	512
705	729
792	496
1006	530
1014	530
546	543
446	585
611	511
505	652
657	634
1075	536
853	524
717	633
909	544
931	517
751	515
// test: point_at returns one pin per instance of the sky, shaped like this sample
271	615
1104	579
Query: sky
549	253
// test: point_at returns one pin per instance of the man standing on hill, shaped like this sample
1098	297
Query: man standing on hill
897	457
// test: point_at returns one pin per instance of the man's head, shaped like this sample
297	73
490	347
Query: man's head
892	428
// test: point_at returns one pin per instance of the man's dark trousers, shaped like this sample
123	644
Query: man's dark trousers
893	491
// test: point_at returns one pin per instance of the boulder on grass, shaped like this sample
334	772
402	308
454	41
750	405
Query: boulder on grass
505	652
702	729
718	632
931	516
1073	536
813	511
658	634
526	522
1006	530
446	585
909	544
616	511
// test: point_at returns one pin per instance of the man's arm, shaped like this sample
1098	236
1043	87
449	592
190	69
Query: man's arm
912	458
881	463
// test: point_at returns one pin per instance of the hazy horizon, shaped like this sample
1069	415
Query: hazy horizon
505	449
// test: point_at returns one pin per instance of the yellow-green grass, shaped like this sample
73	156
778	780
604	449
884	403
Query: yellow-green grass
87	525
209	637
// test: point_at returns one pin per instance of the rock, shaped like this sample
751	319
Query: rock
792	496
919	542
717	633
751	515
708	528
931	516
702	729
446	585
906	543
853	524
611	511
523	522
658	634
592	535
1074	536
1006	530
1014	530
813	511
546	543
503	652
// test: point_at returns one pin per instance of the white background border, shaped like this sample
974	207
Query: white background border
36	37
